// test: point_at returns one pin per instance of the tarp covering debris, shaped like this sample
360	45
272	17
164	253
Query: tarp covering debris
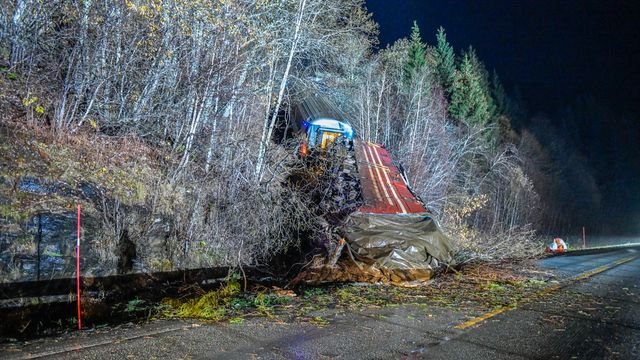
400	249
349	270
392	227
398	241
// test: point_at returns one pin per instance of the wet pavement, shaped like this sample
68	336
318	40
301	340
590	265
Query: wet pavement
589	318
594	318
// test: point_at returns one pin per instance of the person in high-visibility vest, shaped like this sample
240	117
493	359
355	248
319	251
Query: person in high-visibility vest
558	245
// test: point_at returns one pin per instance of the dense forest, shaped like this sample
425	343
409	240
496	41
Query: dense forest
170	108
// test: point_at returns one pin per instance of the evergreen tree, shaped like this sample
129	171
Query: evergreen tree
503	113
415	57
517	107
485	83
470	97
445	61
499	95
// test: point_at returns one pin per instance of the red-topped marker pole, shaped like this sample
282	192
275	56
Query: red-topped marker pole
78	270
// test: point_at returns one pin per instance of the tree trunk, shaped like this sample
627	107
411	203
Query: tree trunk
268	128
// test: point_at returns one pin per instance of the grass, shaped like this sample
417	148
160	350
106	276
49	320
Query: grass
266	303
7	212
536	282
479	288
318	320
135	305
227	302
213	305
313	292
9	74
496	287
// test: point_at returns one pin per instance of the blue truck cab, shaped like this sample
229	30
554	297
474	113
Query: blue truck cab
323	123
324	132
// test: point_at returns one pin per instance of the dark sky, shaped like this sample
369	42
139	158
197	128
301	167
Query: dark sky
553	50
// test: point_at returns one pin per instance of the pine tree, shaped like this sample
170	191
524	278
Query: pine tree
415	57
503	114
470	97
460	103
445	61
517	106
485	83
499	95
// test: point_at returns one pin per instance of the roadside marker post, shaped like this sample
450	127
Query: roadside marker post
584	238
78	270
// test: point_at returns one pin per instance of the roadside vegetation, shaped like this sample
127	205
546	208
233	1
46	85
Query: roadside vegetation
479	288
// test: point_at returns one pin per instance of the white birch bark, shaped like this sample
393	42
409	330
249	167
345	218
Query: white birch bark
268	127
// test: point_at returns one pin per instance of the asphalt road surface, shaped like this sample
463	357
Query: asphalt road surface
593	313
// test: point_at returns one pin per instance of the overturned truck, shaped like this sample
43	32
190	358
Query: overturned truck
386	233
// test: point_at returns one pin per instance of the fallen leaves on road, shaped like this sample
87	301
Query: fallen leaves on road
477	287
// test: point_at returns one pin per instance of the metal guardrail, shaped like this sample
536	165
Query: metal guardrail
596	250
33	308
124	285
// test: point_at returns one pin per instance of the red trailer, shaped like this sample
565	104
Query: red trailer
383	189
393	227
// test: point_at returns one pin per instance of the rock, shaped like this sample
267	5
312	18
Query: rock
37	186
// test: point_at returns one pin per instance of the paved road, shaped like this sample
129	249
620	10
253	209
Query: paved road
591	318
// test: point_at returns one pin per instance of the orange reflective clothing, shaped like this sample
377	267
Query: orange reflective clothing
304	150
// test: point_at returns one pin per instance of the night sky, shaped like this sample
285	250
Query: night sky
553	50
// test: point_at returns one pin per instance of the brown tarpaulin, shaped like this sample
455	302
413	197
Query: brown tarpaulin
402	242
400	249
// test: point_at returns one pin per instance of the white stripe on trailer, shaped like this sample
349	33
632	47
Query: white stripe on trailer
393	190
386	193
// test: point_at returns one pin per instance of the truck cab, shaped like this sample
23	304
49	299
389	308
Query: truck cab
324	132
323	124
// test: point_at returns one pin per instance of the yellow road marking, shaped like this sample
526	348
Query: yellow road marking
545	291
484	317
604	268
